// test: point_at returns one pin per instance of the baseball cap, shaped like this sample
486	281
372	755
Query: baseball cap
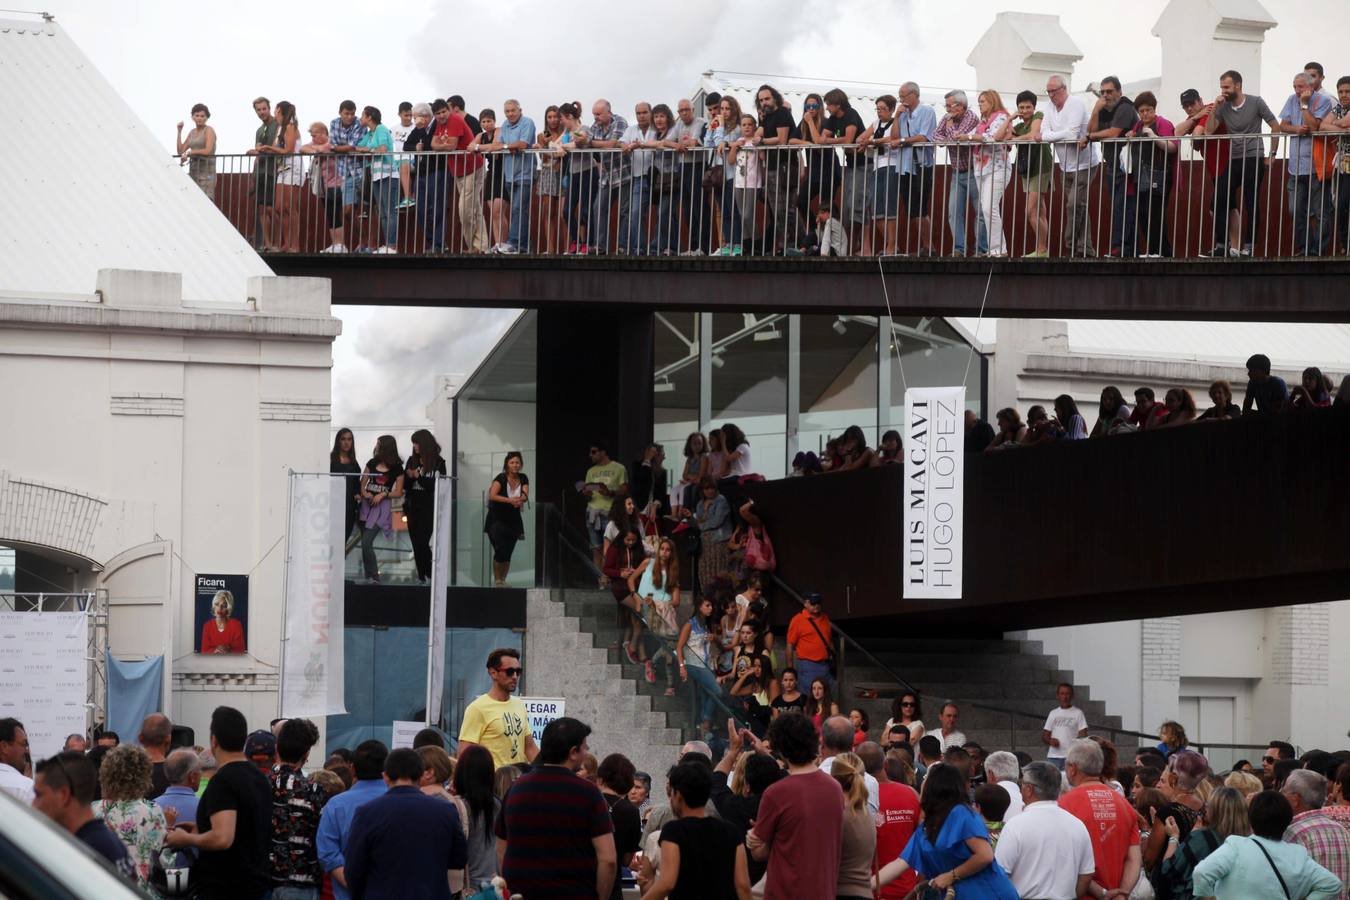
1190	95
261	745
815	598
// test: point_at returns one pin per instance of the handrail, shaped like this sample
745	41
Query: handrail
566	541
988	707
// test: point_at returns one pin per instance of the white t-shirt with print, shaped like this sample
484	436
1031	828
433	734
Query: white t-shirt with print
1064	725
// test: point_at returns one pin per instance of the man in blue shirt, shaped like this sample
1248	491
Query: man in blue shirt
518	136
1268	392
336	823
402	843
1308	203
917	123
183	769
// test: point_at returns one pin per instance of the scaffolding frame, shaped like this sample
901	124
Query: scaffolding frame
94	604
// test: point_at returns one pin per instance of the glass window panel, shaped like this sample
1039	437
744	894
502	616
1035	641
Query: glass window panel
749	384
933	354
838	386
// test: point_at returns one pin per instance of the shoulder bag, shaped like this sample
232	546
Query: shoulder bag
829	648
1274	868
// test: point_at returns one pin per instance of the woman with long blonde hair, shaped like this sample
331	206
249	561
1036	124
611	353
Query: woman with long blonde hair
860	829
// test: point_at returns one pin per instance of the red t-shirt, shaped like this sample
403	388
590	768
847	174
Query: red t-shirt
1215	150
897	819
801	818
460	163
1148	418
1112	825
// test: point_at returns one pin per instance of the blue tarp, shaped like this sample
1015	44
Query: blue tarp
134	692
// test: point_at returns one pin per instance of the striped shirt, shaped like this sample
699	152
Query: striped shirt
548	821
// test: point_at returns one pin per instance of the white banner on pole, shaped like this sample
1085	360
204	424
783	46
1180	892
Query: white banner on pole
312	665
44	675
934	442
440	583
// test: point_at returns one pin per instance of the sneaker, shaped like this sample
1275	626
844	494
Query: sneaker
648	672
1039	254
572	248
1219	252
508	249
335	248
632	657
1246	250
386	250
582	249
692	253
725	250
406	202
794	251
738	251
496	248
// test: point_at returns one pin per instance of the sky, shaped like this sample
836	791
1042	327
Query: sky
165	56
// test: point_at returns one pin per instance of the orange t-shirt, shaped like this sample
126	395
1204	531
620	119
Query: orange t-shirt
1112	825
804	639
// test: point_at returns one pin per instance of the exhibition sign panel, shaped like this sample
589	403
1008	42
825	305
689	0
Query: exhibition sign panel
934	451
44	675
312	668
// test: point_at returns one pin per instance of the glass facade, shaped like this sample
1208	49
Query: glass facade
790	382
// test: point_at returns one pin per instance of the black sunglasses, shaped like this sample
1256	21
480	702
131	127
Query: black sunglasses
511	672
908	703
1269	759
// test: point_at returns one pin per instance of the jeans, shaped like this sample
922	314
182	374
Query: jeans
1124	218
384	197
369	566
709	690
294	892
964	195
992	182
522	195
1305	196
606	194
809	670
1057	761
634	237
694	206
1076	187
731	219
1152	206
430	193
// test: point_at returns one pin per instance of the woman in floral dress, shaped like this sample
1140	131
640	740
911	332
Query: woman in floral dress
140	825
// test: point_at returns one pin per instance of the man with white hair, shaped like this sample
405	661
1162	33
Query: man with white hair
1001	768
960	122
1111	822
1047	851
1325	839
917	123
1066	126
183	769
836	737
1302	114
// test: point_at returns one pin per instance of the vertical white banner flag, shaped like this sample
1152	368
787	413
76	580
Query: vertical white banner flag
440	583
934	451
312	667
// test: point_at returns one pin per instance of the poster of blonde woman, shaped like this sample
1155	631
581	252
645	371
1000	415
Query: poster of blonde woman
221	603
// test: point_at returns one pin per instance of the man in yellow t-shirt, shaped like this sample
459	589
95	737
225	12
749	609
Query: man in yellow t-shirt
604	480
497	719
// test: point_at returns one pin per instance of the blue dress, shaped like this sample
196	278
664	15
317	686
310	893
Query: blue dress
990	883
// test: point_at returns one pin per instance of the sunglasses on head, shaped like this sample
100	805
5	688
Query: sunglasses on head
511	672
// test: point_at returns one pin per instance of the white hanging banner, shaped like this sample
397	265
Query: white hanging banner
312	666
934	451
44	675
440	583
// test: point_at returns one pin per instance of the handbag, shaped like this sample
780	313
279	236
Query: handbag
714	176
759	552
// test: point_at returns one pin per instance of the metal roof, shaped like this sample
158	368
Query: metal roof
98	191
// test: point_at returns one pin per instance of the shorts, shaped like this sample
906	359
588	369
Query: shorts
351	188
332	207
596	520
266	187
917	190
857	206
886	193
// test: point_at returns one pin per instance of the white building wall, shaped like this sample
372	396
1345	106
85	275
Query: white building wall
182	419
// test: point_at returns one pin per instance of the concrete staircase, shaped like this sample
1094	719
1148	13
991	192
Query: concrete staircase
1008	674
567	655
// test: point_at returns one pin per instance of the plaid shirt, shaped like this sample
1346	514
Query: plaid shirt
947	130
613	161
296	805
340	135
1327	842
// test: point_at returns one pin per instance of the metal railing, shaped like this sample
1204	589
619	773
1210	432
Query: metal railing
1141	197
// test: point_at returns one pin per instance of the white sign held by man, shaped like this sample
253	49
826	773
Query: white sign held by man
541	711
934	451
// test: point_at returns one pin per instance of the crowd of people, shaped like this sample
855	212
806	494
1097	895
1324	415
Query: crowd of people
815	808
823	182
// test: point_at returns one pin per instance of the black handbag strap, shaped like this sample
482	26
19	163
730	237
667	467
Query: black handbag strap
1273	868
829	648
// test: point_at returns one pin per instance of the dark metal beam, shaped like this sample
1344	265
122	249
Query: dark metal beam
1305	290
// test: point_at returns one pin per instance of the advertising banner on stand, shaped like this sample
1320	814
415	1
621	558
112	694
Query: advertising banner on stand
440	583
934	442
44	675
311	662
